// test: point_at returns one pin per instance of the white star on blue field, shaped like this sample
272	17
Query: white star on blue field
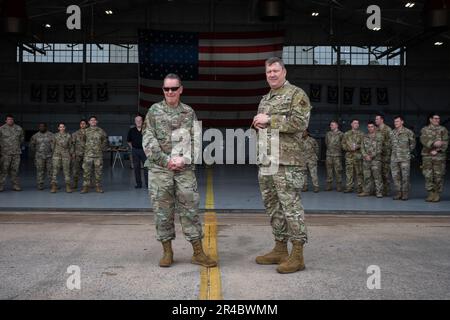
163	52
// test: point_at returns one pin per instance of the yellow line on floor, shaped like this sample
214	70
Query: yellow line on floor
210	281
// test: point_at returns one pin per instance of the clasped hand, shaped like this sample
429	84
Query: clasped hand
260	121
176	163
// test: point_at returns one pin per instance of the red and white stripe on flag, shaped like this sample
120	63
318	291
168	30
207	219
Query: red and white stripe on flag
231	77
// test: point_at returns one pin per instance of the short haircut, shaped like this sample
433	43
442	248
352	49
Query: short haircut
139	115
83	120
61	123
9	116
354	119
334	121
432	114
92	117
380	115
172	76
273	60
42	123
370	122
398	117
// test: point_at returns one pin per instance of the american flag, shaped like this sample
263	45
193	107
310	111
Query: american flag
223	74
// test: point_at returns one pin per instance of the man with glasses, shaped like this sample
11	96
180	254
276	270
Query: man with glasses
168	142
134	140
434	139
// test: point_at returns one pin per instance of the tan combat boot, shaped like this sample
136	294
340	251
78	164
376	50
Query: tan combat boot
430	197
98	188
68	188
295	262
305	188
437	197
338	187
167	258
199	256
16	187
363	194
276	256
404	196
2	188
54	188
40	186
398	196
85	189
316	189
328	187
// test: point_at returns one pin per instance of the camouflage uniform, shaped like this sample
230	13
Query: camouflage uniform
353	159
333	142
62	152
42	145
11	137
310	148
385	131
171	191
372	146
433	167
79	140
95	144
289	110
403	143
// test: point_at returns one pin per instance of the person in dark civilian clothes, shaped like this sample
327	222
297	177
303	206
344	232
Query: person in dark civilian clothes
134	140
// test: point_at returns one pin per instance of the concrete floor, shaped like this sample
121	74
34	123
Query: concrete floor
118	257
235	189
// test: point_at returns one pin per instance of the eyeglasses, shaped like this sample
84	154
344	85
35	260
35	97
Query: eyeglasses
173	89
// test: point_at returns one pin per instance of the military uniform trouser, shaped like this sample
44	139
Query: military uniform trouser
57	163
312	169
172	192
334	165
9	165
386	175
400	175
434	172
282	201
43	167
353	167
77	166
372	175
88	163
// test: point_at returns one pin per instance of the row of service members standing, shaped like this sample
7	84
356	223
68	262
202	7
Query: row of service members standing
372	159
75	154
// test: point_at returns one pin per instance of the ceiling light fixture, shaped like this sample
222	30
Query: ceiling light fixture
108	12
438	43
47	25
315	14
410	4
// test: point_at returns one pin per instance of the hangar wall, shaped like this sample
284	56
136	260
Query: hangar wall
422	85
